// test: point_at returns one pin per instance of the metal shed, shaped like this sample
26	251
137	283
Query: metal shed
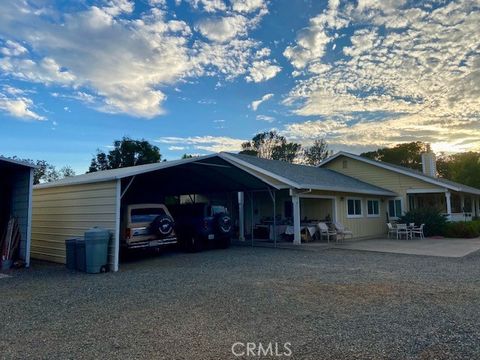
16	180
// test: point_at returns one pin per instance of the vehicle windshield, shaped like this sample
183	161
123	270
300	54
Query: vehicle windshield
146	214
217	209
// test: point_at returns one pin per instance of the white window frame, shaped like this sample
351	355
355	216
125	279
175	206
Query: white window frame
379	209
354	216
401	208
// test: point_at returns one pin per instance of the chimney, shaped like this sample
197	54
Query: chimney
429	164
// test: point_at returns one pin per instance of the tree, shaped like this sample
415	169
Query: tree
66	171
462	167
271	145
316	153
407	154
126	152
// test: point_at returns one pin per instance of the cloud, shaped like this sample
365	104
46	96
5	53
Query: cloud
255	104
399	72
14	102
205	143
247	6
208	5
265	118
176	148
122	60
224	28
262	70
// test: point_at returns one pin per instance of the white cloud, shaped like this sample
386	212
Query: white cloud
255	104
14	103
205	143
262	70
247	6
266	118
406	73
122	61
208	5
223	29
176	148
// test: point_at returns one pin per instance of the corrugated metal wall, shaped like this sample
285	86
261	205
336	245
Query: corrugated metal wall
21	205
65	212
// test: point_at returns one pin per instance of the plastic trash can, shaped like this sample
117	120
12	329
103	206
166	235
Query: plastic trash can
70	245
96	250
80	263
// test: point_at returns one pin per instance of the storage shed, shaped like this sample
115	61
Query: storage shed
16	180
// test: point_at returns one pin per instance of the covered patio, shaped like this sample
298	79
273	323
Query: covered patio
456	205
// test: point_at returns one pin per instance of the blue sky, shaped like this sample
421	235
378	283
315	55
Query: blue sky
196	76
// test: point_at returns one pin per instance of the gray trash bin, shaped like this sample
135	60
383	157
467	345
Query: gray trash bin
80	263
96	250
71	254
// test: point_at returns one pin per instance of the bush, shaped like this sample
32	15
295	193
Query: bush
434	221
462	229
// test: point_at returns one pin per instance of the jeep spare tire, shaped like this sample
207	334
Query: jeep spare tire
224	224
162	225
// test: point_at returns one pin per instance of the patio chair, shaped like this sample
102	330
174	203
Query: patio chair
402	230
342	231
418	231
391	230
323	229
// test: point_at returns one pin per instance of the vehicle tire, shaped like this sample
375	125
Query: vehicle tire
162	225
224	243
224	225
193	244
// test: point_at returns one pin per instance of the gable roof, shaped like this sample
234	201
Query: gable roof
285	174
451	185
308	177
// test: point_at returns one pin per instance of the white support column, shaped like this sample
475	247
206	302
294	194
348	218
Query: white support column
296	220
448	202
241	215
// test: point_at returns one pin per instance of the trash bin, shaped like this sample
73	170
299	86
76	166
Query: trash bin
70	245
96	250
80	263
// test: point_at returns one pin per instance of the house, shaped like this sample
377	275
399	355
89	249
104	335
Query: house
414	189
273	196
16	180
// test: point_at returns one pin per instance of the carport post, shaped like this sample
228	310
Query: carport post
296	219
241	215
251	203
273	196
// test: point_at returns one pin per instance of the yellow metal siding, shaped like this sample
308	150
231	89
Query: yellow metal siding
65	212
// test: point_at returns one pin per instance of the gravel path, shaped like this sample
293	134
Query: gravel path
334	304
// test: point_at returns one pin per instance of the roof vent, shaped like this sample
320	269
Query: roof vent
429	164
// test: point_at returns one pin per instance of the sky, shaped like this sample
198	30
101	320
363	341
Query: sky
202	76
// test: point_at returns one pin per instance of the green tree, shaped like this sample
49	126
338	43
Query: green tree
462	167
271	145
126	152
407	154
316	153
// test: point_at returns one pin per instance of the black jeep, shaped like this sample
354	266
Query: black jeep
201	225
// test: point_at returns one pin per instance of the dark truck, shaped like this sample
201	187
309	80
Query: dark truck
201	225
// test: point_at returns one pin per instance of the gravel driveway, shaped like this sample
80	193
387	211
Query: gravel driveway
333	304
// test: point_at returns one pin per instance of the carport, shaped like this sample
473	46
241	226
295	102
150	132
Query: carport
68	207
16	179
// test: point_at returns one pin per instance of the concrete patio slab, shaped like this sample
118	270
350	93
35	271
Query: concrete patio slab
442	247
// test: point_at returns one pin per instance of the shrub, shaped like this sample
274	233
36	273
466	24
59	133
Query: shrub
463	229
434	221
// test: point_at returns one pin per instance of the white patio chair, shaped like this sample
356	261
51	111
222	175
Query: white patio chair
391	230
323	229
418	231
402	230
342	231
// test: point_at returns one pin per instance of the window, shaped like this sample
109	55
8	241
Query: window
354	207
373	208
345	164
395	208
